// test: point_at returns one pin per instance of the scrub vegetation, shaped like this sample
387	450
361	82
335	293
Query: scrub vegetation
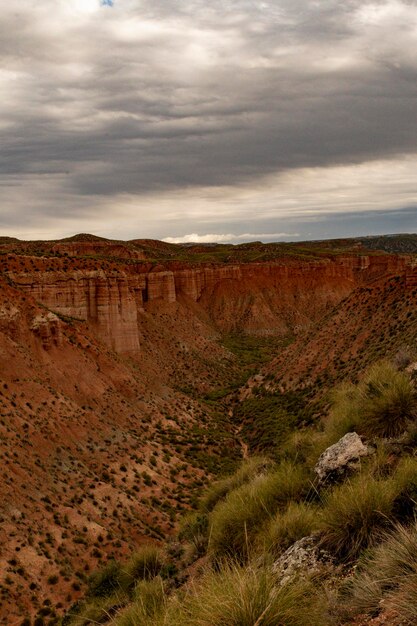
219	570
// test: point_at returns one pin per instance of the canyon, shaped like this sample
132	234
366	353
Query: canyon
262	298
110	353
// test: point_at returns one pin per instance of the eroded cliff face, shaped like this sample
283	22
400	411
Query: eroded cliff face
280	297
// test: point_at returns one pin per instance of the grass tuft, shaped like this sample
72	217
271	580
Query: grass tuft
248	596
383	404
246	472
148	604
297	521
145	564
235	522
386	576
355	512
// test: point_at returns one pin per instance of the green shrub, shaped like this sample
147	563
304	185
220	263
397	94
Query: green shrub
248	596
298	521
105	582
388	575
149	601
355	512
383	404
235	521
247	471
145	564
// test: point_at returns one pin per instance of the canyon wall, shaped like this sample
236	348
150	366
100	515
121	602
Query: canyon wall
277	297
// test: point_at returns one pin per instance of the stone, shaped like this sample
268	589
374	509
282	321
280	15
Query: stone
47	326
341	457
304	557
262	298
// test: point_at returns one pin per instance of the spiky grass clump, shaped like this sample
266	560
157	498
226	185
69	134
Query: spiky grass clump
355	512
383	404
246	472
96	610
148	603
389	401
195	528
110	580
388	576
302	446
297	521
235	521
145	564
405	480
248	596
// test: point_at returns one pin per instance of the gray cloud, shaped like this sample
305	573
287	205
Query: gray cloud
157	96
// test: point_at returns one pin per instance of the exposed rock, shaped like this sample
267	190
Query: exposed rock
303	557
341	457
267	297
48	327
161	286
263	298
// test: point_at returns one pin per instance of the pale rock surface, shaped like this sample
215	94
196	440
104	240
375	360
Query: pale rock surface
341	457
304	557
48	327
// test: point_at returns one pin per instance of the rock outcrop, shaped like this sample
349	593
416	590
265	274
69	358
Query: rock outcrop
48	327
341	457
280	297
304	557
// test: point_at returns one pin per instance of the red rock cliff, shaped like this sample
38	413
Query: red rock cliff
267	298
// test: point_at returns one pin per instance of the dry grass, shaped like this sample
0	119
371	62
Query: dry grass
247	596
387	576
297	521
383	404
235	522
355	512
246	472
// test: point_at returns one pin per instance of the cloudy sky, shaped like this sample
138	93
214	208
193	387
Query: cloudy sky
224	120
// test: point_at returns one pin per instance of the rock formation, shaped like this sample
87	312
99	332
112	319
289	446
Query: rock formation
341	457
280	297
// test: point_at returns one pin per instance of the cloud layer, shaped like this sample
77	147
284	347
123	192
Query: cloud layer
109	110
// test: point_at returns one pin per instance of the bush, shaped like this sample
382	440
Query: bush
382	405
387	575
235	522
149	601
219	490
298	521
355	512
145	564
237	596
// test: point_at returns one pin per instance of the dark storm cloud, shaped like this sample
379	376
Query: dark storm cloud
155	96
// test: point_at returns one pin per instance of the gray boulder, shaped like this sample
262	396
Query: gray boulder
341	458
303	558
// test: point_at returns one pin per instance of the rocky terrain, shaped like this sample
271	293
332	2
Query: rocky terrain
115	357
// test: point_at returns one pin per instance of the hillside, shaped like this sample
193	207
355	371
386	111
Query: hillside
122	382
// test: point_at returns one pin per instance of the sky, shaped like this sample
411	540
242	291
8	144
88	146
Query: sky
189	120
